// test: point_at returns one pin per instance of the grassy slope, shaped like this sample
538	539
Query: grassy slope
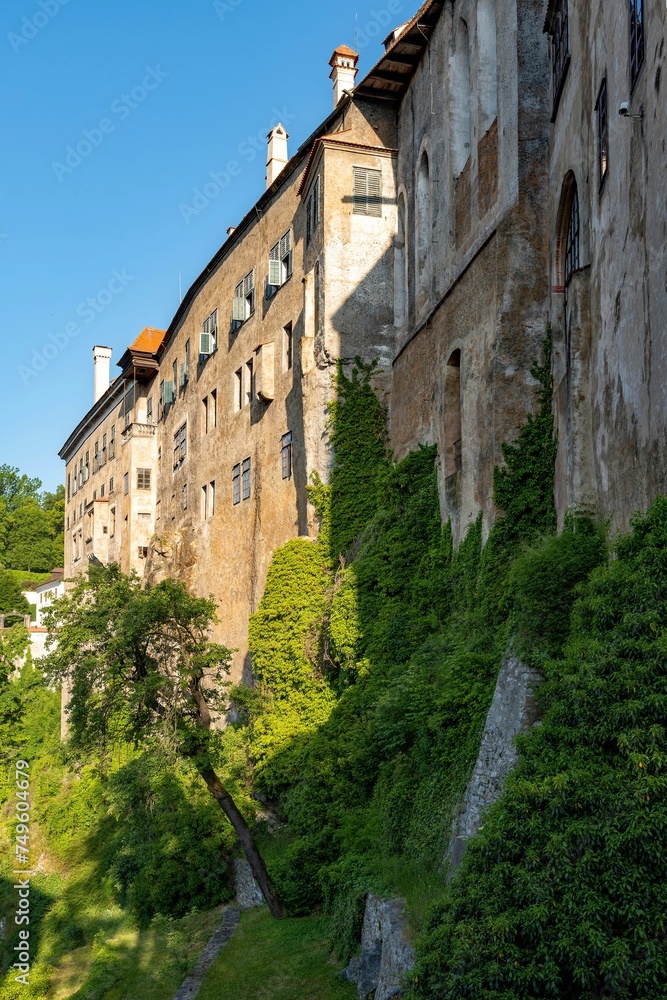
276	960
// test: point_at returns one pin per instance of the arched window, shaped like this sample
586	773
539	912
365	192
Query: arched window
400	265
488	64
568	234
572	240
423	234
460	97
453	426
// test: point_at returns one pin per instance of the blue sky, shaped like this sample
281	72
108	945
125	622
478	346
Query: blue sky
156	96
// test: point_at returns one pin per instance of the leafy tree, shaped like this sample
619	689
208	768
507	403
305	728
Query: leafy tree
14	646
30	542
11	595
142	669
16	488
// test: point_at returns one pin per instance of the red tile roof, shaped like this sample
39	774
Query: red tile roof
148	341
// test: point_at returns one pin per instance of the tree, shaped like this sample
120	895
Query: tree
142	669
16	488
12	597
30	543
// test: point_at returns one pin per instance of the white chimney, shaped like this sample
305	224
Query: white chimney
276	159
102	360
344	72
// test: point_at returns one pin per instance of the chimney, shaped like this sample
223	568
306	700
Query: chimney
277	157
102	361
344	72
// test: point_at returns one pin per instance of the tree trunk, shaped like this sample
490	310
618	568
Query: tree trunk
255	860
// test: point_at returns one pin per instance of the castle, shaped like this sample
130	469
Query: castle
476	186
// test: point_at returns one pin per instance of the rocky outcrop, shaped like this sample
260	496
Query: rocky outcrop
386	955
248	893
513	711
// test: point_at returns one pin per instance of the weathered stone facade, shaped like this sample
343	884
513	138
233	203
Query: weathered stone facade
608	184
423	224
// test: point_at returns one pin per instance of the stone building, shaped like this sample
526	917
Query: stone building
608	231
110	464
429	224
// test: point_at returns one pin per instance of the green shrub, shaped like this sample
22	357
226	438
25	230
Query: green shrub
565	891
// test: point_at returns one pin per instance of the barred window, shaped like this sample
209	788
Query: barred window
559	45
603	133
246	479
572	243
636	39
287	455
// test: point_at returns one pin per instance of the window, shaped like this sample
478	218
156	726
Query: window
112	442
74	516
185	496
174	372
86	471
104	449
204	416
211	499
102	489
149	410
367	198
281	261
126	483
185	367
208	341
96	458
204	502
313	211
236	485
603	134
289	347
113	521
69	486
246	479
559	44
572	243
250	380
94	495
400	266
213	410
287	455
143	479
180	445
238	390
111	486
244	299
143	552
636	39
453	423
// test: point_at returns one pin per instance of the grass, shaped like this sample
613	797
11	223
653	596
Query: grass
271	959
129	964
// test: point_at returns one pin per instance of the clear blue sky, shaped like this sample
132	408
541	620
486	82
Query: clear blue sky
218	73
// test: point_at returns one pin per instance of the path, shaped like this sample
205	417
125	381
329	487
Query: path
193	983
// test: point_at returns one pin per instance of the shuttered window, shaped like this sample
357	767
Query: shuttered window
367	192
243	306
281	261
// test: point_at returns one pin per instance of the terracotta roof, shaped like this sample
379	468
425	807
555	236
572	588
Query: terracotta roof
345	50
149	341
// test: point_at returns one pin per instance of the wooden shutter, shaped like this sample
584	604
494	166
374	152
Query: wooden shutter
238	305
360	192
275	267
374	180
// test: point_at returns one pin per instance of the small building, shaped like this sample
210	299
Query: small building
44	594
